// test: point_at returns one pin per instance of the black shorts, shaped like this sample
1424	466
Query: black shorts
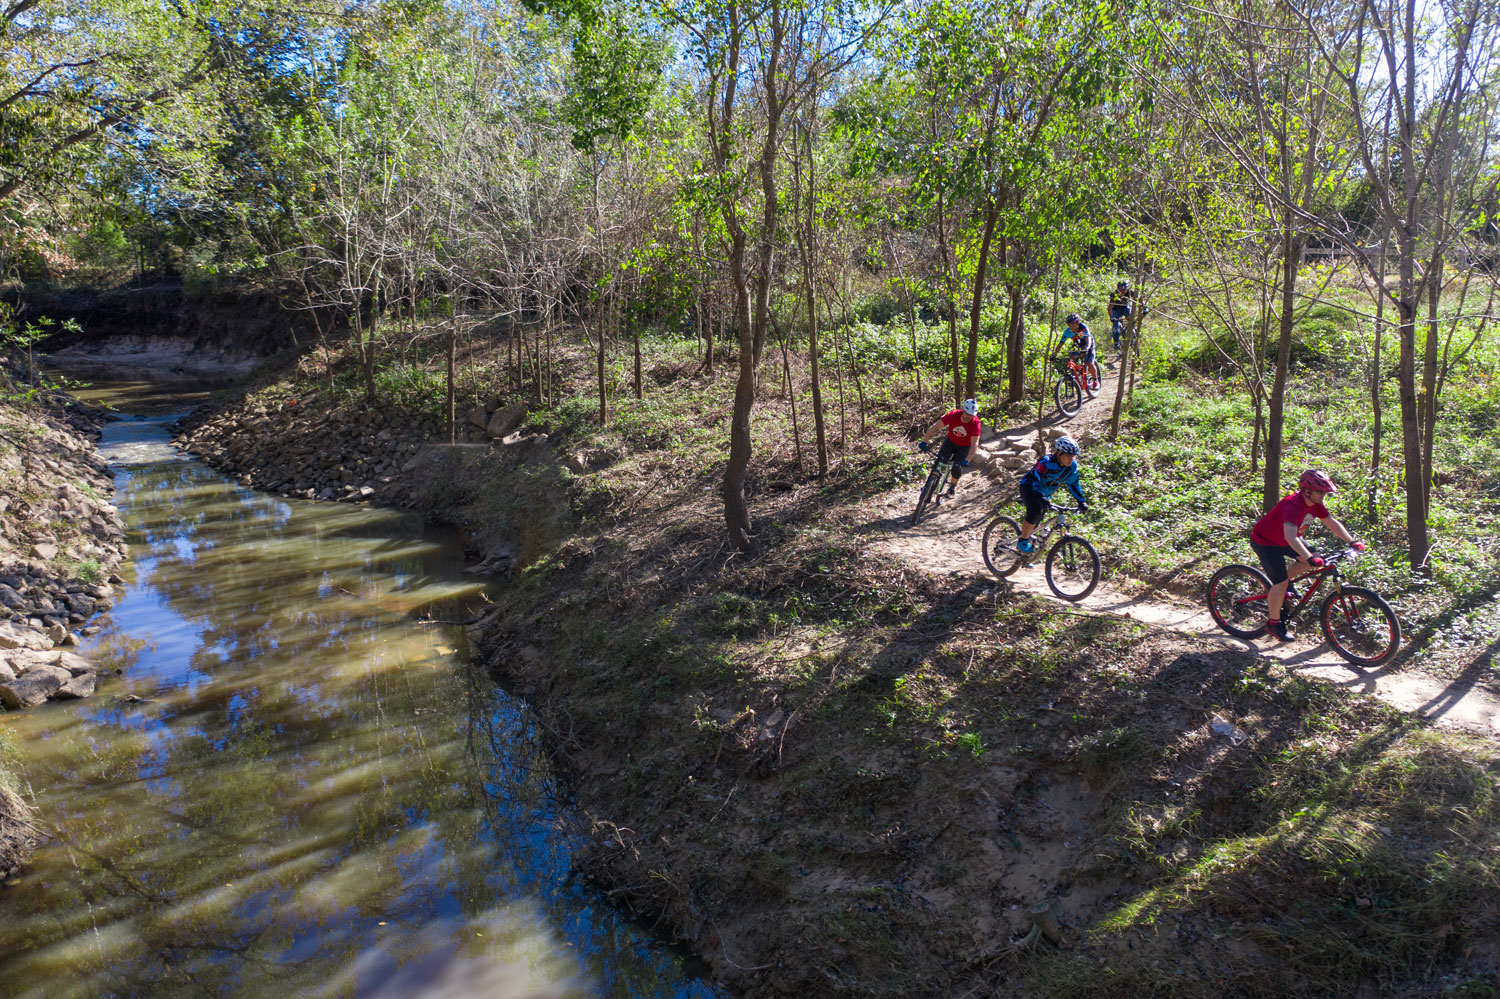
1273	560
1035	503
955	452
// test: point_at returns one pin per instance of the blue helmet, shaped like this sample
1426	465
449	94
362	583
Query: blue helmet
1066	445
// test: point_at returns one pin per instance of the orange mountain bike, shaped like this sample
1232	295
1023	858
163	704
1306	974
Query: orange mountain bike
1357	622
1074	382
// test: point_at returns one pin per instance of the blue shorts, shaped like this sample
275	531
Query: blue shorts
1273	560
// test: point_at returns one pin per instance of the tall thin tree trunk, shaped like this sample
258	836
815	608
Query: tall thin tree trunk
1291	253
806	235
635	337
1015	346
859	387
911	319
838	368
951	282
450	401
1430	372
1377	410
791	393
970	381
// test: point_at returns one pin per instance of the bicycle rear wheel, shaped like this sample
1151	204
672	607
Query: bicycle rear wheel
1361	626
1068	396
1072	568
1237	600
929	490
1000	547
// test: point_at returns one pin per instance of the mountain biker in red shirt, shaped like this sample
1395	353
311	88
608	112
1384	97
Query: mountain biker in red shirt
964	429
1277	537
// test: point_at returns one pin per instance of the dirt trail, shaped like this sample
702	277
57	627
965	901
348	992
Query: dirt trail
948	542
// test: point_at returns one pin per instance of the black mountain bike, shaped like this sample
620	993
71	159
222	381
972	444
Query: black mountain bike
1072	566
937	475
1358	623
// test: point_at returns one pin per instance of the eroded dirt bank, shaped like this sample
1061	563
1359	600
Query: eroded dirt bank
834	773
61	542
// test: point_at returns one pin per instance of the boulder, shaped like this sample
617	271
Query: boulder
35	687
478	417
505	420
77	687
10	598
25	660
6	673
58	633
45	552
12	637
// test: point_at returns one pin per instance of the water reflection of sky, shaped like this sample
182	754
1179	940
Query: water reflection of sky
313	795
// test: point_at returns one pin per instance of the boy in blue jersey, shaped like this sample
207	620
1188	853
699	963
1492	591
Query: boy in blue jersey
1083	342
1058	469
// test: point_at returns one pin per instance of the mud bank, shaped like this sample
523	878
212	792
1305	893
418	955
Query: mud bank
61	542
163	325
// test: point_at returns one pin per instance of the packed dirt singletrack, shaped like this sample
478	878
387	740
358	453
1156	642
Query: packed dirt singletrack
948	542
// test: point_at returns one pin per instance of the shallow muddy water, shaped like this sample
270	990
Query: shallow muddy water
293	787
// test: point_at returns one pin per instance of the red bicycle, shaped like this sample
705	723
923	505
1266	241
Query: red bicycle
1358	623
1076	380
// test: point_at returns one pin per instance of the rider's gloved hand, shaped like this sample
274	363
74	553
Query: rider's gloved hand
1316	561
964	463
923	446
1358	546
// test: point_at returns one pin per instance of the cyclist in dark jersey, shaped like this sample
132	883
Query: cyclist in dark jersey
1277	537
1083	343
964	429
1121	302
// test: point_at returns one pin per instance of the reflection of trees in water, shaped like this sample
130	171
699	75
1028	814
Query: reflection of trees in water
536	836
327	770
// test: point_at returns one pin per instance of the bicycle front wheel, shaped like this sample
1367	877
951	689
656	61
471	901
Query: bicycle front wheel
1072	568
929	490
1068	396
1237	600
1000	547
1361	626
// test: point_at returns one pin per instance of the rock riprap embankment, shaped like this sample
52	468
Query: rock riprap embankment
61	540
320	448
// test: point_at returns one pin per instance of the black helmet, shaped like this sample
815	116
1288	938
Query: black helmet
1073	318
1124	284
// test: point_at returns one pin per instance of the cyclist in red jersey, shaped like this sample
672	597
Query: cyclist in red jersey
964	429
1277	537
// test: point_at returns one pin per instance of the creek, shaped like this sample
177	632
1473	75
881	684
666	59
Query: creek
292	786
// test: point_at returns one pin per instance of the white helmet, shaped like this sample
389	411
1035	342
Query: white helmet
971	407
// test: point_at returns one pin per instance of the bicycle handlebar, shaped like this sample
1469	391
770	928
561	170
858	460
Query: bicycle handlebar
1333	558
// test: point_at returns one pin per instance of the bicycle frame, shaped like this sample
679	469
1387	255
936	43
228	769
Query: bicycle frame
1070	368
1330	569
1055	519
